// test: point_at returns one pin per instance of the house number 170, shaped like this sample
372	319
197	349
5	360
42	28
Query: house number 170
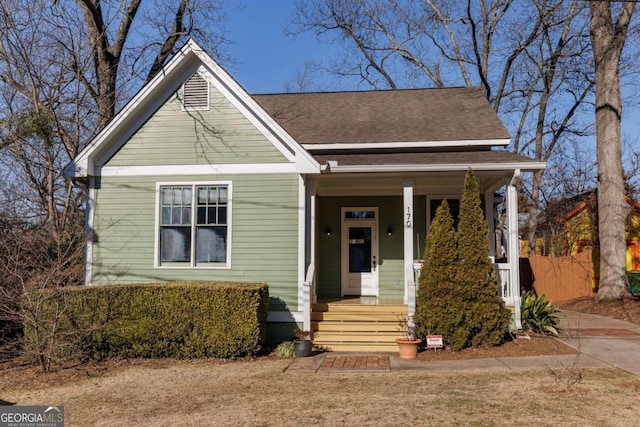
408	217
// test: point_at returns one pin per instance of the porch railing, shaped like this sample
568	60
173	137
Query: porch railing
504	281
308	295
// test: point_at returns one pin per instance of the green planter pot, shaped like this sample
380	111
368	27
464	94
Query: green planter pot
302	348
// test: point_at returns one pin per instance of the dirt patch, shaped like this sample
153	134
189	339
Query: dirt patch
534	346
628	309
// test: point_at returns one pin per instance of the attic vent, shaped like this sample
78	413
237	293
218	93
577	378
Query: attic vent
195	93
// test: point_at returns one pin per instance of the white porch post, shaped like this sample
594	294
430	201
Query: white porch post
513	251
312	206
409	280
488	213
304	286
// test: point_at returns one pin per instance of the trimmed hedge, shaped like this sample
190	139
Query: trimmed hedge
181	320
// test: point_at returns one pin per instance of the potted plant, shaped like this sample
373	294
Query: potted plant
408	344
303	343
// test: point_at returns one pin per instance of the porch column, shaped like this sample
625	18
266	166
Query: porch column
311	239
488	213
409	280
305	237
513	249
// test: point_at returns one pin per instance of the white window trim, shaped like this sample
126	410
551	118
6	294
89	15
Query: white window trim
192	264
208	107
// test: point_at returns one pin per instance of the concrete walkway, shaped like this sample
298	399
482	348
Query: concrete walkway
613	342
601	342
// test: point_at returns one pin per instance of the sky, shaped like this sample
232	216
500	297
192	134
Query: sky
263	56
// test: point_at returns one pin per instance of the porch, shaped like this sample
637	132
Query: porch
365	324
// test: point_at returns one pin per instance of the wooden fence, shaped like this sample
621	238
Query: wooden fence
558	278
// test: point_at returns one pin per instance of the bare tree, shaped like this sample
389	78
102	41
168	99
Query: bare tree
531	58
65	68
608	39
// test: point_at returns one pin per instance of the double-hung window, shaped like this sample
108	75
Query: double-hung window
194	225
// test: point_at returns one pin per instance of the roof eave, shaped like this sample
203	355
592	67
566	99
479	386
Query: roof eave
498	142
524	166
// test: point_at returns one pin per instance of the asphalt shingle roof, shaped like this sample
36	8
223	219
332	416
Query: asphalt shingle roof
411	115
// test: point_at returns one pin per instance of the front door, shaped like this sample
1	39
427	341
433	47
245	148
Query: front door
360	258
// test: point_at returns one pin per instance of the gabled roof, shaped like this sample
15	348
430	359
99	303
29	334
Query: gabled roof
580	202
430	118
365	131
182	66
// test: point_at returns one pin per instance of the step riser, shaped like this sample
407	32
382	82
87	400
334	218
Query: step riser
350	308
360	347
370	327
356	337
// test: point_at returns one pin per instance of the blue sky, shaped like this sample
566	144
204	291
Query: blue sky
264	56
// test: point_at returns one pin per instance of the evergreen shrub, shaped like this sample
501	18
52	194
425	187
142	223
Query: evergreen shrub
458	289
181	320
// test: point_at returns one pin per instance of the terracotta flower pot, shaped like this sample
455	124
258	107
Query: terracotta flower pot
408	349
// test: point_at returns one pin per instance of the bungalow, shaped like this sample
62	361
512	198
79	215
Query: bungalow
327	197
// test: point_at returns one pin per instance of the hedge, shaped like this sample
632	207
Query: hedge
181	320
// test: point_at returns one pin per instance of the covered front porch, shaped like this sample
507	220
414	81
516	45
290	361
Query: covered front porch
365	238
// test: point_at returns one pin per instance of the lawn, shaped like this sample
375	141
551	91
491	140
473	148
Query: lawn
261	393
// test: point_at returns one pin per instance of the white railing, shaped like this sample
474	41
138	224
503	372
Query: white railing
504	281
411	294
308	295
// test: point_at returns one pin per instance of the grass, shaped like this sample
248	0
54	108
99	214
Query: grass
261	393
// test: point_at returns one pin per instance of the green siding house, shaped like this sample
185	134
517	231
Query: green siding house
327	197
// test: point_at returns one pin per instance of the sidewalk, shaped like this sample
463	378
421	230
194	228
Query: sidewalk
601	342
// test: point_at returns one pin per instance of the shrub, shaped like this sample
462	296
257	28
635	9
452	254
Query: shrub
634	282
285	349
486	319
438	308
183	320
458	291
538	315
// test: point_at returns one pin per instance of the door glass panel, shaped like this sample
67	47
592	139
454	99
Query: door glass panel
359	215
359	249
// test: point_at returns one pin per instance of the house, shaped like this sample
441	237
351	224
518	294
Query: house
323	196
571	226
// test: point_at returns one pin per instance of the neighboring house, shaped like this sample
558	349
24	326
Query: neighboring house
320	195
571	228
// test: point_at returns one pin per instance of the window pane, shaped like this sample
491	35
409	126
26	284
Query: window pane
177	196
186	216
166	196
166	215
222	215
359	249
213	195
175	244
202	215
360	215
211	244
212	216
202	195
222	191
186	196
175	215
